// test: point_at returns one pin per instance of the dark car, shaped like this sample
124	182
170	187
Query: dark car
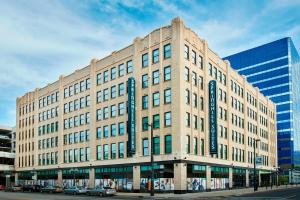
32	188
52	189
98	191
15	188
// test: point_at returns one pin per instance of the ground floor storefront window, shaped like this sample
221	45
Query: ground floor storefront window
47	177
219	178
120	178
77	177
26	178
238	178
163	177
196	178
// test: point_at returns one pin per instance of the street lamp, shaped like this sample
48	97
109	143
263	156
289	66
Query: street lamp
74	171
255	182
152	160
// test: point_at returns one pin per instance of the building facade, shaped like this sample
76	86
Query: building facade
7	154
275	69
92	127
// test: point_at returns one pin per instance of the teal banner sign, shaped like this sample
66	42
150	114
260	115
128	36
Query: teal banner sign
131	145
213	128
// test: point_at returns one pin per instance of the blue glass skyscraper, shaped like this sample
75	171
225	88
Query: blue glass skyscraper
275	69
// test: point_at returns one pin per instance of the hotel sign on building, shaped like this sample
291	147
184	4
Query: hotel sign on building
131	116
213	128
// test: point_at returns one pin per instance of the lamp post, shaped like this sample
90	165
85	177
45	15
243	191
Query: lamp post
255	182
74	172
152	160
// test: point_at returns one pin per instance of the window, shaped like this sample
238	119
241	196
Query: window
121	70
105	113
200	62
155	77
195	146
194	77
99	152
99	78
105	76
65	156
156	121
88	83
113	111
186	52
187	119
105	131
87	118
145	123
168	144
129	66
201	124
99	134
121	89
76	155
76	88
70	155
87	100
121	128
99	96
167	51
76	121
187	74
121	150
202	147
195	103
201	103
87	154
145	60
76	104
113	130
187	96
105	152
145	147
167	73
113	73
113	151
113	92
156	143
187	144
145	81
168	120
82	102
105	94
71	91
156	99
121	108
194	57
155	56
145	102
81	86
167	96
201	82
195	122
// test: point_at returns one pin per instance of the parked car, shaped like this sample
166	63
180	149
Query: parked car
32	188
75	190
52	189
2	187
98	191
15	188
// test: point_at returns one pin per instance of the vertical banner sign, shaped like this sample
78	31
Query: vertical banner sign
131	117
213	129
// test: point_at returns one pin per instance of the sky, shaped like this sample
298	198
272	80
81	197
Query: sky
42	39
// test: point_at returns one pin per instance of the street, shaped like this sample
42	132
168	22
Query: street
284	193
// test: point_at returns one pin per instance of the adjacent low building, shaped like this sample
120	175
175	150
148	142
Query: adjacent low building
7	154
92	127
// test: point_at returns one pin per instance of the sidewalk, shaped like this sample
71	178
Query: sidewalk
221	193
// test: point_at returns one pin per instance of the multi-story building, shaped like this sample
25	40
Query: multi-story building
92	127
275	69
7	154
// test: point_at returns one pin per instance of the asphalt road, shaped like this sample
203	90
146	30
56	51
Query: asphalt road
288	193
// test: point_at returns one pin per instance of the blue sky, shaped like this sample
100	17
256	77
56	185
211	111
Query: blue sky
40	40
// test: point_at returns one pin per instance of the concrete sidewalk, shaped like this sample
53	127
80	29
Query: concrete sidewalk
220	193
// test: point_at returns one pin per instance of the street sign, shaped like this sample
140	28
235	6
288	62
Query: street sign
258	160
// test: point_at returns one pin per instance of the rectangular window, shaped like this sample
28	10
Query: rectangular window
105	113
105	131
187	74
113	111
76	104
145	81
155	77
121	108
121	150
145	60
202	147
76	88
121	89
187	119
168	120
99	133
194	61
145	123
81	155
156	143
155	56
121	70
156	121
167	51
113	130
105	76
105	152
81	86
88	100
99	96
76	155
121	128
156	99
113	92
113	73
194	77
195	102
168	144
167	96
145	147
70	155
88	83
99	78
187	144
167	73
145	102
195	143
200	62
99	152
105	94
87	154
195	122
186	52
129	66
187	96
82	102
113	151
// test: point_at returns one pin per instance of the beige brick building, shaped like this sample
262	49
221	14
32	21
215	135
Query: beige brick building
92	125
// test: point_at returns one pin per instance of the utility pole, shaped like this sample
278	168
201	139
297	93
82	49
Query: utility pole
152	160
